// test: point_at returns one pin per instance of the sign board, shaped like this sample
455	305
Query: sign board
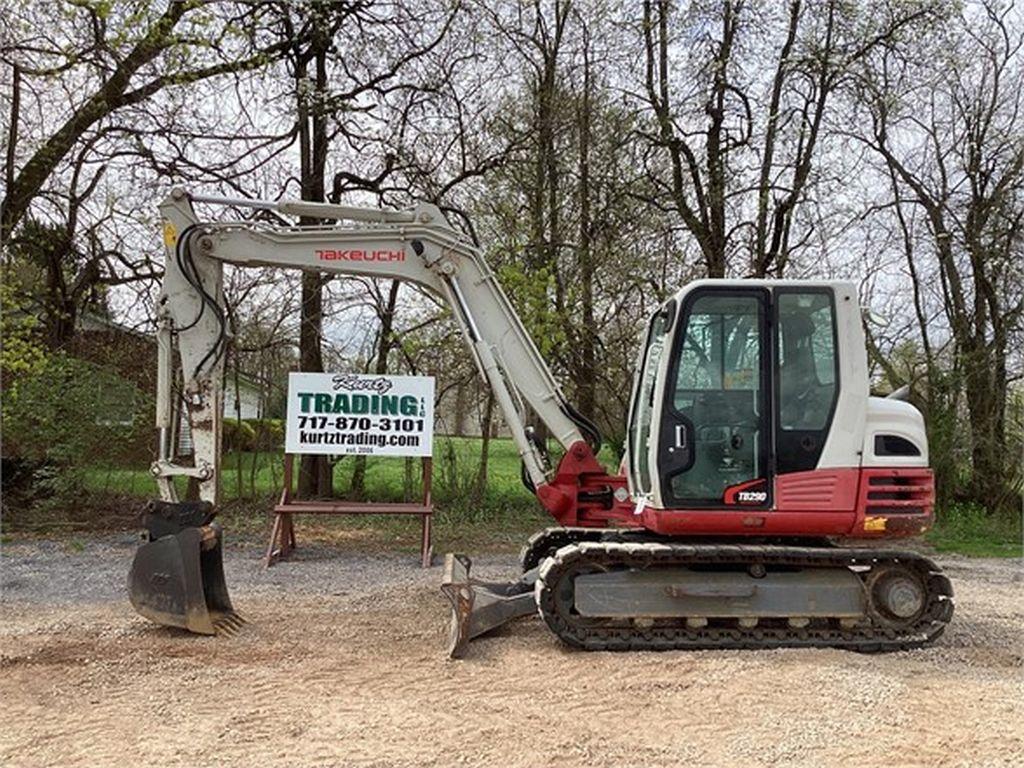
353	413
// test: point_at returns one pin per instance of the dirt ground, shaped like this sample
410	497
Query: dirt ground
342	664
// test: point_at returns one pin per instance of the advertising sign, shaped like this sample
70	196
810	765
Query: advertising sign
353	413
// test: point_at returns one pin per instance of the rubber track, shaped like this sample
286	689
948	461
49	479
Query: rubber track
610	634
546	542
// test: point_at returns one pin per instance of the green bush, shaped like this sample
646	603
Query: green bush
69	415
970	529
253	435
238	436
21	350
268	433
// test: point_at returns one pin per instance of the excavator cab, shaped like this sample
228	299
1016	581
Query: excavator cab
177	576
739	385
712	432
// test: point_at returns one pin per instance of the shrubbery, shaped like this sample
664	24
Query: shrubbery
971	529
64	416
238	435
253	435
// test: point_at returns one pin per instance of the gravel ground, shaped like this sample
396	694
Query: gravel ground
342	664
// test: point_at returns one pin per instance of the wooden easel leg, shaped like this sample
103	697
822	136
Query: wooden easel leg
282	534
426	549
275	531
290	532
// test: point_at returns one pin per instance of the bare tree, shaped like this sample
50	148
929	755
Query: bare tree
76	92
950	141
735	151
126	62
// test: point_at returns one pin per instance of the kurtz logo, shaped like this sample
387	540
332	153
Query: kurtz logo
353	382
355	254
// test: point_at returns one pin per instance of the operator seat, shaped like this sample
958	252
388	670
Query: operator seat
799	387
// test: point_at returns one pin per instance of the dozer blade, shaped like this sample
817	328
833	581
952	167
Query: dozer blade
479	607
178	579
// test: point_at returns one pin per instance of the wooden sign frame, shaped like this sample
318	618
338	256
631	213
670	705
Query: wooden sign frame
282	533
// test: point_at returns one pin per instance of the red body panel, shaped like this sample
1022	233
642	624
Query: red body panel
875	502
817	490
583	493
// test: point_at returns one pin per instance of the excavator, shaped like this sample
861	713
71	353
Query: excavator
756	506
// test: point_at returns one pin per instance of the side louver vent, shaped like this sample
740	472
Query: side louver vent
898	491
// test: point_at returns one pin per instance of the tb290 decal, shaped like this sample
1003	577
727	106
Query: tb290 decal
752	492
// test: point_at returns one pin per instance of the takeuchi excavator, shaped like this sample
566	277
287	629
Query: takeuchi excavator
754	453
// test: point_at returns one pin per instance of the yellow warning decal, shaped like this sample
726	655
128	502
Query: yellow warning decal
170	234
874	523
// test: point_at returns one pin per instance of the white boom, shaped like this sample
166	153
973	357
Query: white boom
416	245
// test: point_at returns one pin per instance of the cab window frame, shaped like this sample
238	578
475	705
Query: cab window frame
669	311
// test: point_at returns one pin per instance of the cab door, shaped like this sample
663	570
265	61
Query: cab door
642	434
713	448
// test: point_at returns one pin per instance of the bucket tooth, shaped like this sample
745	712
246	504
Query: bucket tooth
478	607
229	624
223	629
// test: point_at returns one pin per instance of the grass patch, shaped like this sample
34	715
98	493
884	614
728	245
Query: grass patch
258	475
968	529
498	519
506	532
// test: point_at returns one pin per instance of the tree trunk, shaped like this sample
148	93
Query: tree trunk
407	480
238	417
480	485
986	401
315	472
544	200
384	344
586	385
460	409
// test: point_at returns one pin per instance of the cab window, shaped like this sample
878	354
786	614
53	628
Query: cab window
721	348
807	360
718	400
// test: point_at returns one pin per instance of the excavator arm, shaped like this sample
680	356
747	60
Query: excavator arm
417	246
177	576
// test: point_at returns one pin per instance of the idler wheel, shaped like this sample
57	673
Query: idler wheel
898	595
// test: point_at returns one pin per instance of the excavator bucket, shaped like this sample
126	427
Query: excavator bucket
177	576
478	606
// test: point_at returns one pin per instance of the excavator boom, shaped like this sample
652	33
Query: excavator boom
417	246
169	582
